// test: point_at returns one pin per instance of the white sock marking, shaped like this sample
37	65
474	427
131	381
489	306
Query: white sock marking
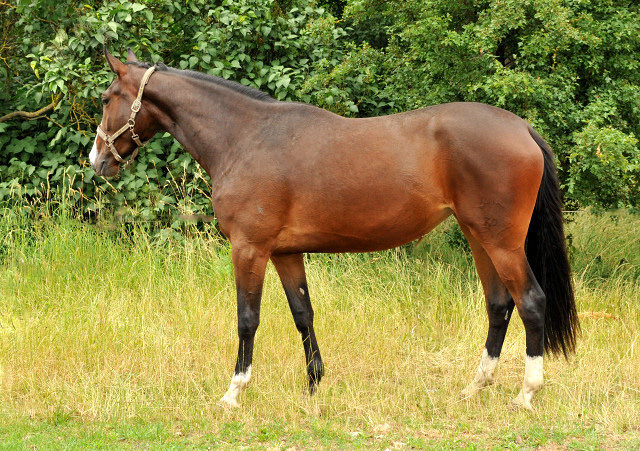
484	374
93	155
238	383
533	380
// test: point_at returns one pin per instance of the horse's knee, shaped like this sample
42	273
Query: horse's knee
303	321
248	322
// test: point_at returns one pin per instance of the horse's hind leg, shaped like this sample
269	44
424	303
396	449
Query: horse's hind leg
291	271
514	271
507	255
530	301
499	308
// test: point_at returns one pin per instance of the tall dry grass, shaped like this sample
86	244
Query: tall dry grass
103	323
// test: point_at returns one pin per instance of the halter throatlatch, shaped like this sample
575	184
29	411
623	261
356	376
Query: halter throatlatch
131	123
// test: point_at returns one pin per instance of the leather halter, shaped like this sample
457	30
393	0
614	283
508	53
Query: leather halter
131	123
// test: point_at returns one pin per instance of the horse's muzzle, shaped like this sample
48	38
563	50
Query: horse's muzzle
101	165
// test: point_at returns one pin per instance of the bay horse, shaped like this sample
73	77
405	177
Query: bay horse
290	178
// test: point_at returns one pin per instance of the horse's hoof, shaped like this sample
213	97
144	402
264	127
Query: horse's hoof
469	391
473	388
229	402
519	402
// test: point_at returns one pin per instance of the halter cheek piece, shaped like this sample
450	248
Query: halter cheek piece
131	123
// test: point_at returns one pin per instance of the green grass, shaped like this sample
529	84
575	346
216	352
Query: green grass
113	337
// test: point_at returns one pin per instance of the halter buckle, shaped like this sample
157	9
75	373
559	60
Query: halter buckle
136	105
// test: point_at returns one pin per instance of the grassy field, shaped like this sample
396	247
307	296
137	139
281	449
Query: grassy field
115	338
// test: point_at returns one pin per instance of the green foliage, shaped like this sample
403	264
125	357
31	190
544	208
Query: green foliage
259	45
568	67
608	160
351	86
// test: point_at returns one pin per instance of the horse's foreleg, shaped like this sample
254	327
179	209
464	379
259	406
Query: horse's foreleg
291	271
249	265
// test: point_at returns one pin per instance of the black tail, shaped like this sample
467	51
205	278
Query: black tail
547	254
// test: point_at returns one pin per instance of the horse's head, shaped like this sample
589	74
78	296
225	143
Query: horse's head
126	121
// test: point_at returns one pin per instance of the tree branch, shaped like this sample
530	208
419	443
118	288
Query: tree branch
32	115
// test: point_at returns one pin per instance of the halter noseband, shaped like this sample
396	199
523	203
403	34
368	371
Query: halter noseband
131	123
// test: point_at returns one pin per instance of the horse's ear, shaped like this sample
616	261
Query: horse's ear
131	57
117	66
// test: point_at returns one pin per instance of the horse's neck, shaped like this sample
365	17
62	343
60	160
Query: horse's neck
204	117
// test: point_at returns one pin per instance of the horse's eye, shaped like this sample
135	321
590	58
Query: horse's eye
105	101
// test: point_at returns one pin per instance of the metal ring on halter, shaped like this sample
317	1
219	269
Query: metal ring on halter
131	123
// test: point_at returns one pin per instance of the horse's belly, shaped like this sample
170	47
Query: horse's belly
362	232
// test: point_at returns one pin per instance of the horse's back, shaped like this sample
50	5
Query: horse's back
432	153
